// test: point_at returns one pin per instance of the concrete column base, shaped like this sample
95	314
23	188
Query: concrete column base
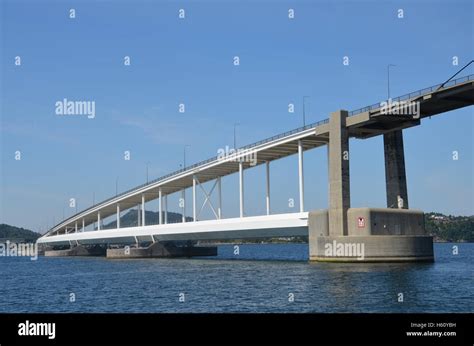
373	248
375	235
159	250
79	250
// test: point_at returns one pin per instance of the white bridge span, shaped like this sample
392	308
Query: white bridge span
267	226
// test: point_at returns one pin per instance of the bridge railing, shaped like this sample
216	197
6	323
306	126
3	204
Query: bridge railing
415	94
281	135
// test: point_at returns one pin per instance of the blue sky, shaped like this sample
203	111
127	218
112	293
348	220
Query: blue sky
190	61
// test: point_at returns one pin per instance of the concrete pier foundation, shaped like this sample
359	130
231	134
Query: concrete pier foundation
161	250
374	235
79	250
345	234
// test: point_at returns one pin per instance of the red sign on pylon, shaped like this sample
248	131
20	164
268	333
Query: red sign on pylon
360	222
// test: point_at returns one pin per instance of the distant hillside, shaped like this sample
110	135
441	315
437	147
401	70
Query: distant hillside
130	219
450	228
13	233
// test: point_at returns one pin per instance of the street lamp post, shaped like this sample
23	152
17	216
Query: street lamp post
304	110
235	137
184	155
388	78
147	163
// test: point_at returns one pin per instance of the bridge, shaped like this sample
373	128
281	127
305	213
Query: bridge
394	233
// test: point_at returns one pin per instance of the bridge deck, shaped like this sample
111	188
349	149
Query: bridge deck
268	226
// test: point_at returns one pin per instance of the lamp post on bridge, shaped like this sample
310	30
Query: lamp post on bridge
235	137
184	155
147	163
388	78
304	110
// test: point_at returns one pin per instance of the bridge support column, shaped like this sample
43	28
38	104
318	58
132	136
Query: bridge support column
166	209
118	215
160	209
183	198
395	175
267	165
98	221
300	174
219	199
143	209
138	215
194	198
339	179
241	188
83	225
